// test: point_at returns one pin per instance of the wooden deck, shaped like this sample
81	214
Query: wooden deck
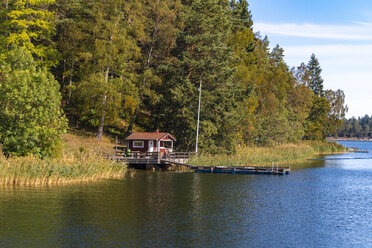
244	170
157	159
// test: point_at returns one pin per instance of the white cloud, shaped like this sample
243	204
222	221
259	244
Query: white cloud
364	23
348	55
346	65
361	31
334	50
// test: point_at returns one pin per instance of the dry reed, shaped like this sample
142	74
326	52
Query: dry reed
71	168
264	156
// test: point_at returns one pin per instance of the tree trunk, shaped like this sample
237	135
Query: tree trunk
63	73
131	124
70	83
147	66
6	34
102	120
103	114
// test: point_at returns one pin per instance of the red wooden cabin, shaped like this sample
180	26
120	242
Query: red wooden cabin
151	142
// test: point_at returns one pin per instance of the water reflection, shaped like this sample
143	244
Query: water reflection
322	203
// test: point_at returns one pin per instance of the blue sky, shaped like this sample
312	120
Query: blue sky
338	32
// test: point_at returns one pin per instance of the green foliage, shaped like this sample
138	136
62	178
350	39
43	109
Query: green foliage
31	120
277	54
315	125
328	109
241	15
160	27
100	54
136	66
316	81
360	127
202	54
29	24
337	112
96	96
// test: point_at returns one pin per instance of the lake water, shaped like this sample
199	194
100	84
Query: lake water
327	204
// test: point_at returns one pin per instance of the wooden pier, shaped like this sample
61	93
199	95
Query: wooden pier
355	150
244	170
158	160
154	160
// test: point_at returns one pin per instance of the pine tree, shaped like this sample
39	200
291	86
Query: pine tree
241	15
70	43
316	126
159	20
244	46
316	81
109	63
277	54
202	54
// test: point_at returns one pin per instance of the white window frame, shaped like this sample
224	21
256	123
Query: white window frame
141	146
170	142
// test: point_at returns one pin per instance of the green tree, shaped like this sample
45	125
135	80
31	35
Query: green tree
274	129
337	111
246	65
31	120
241	15
277	54
160	26
202	54
316	128
109	53
316	125
29	24
71	42
316	80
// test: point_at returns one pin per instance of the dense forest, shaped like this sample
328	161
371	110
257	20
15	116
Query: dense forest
356	128
119	66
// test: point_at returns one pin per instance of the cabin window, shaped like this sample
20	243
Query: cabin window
138	144
166	144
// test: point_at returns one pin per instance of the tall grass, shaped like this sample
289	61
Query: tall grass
261	156
78	167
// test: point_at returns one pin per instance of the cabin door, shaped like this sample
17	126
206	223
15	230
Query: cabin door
151	146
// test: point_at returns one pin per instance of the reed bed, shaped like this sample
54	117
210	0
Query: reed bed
264	156
71	168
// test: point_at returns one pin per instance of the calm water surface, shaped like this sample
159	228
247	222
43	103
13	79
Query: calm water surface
327	204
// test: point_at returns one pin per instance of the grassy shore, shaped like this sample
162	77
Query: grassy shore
284	154
82	160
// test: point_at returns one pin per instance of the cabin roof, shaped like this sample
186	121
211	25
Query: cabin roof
149	136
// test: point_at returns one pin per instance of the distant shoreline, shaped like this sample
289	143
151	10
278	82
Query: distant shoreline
349	139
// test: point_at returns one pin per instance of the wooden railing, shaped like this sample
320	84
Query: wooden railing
181	155
138	155
155	155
